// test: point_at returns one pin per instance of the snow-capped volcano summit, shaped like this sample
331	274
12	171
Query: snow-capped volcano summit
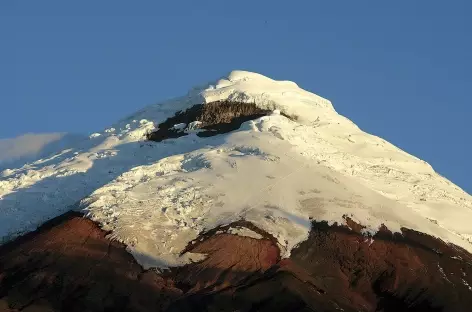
254	193
301	161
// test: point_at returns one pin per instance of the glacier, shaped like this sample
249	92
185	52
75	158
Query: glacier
278	173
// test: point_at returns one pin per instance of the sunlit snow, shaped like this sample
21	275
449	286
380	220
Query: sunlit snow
275	172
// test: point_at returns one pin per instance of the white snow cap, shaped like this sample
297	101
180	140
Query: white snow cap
273	171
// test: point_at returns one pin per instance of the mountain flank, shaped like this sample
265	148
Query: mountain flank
69	264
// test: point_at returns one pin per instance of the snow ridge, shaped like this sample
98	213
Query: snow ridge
275	172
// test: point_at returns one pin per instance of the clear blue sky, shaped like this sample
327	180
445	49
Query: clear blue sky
398	69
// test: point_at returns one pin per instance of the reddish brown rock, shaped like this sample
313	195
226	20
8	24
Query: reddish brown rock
231	260
70	265
338	268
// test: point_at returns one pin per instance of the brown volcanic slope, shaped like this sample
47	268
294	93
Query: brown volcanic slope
70	265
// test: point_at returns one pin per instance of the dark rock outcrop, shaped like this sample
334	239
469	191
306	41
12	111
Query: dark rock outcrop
214	118
70	265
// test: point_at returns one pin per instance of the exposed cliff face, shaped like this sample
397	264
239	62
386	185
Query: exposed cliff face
70	265
211	119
